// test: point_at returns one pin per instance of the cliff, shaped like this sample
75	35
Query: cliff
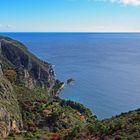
30	71
10	116
22	77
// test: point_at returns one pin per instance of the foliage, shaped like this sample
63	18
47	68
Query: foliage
10	74
57	87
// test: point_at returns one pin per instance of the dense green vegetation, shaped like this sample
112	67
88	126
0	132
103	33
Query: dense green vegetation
54	119
49	117
126	126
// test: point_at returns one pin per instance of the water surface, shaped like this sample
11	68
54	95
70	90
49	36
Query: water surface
106	67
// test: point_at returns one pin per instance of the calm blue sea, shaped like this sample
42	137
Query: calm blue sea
105	66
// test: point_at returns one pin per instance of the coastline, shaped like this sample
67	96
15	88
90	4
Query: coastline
103	99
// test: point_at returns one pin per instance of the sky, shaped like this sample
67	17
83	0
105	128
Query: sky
69	15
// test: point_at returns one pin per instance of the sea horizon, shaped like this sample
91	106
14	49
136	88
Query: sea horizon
113	32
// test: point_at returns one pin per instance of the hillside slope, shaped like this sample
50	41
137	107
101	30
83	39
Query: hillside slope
10	115
30	70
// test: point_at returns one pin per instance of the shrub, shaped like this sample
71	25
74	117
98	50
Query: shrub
10	74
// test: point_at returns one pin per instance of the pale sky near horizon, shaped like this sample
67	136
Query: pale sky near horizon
70	16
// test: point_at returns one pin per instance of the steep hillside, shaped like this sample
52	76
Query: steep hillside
28	96
10	115
125	126
30	70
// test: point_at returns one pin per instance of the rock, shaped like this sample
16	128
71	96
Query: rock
31	71
9	109
26	70
70	81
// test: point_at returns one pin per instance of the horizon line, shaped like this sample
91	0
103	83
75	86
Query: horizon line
70	32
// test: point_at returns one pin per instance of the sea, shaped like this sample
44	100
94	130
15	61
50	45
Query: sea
105	67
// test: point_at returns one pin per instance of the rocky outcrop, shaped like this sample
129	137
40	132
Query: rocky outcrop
31	71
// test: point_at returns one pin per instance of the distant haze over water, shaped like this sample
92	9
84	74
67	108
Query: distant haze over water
105	66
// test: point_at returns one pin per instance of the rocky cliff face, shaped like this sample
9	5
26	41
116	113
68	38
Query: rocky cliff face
10	116
18	67
31	71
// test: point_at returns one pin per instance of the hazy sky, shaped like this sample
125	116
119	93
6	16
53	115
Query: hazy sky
69	15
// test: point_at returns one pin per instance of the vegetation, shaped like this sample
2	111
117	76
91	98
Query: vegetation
10	74
57	87
54	118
